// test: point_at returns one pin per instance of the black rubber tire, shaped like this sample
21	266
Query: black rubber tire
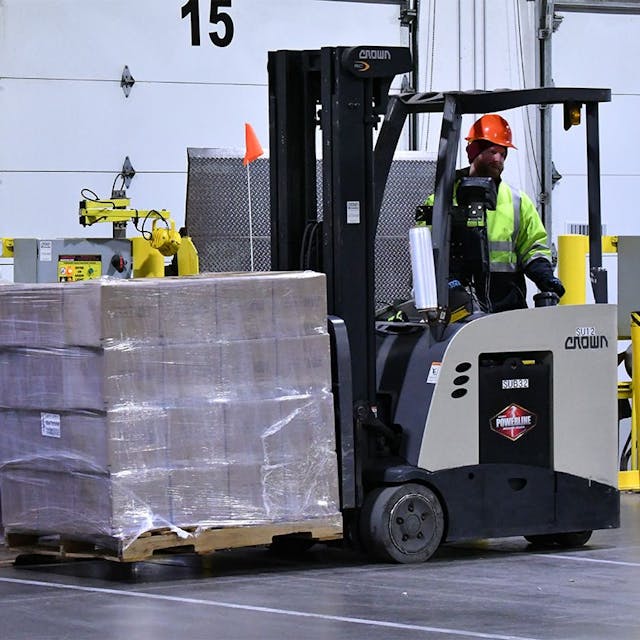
403	524
545	540
364	525
571	540
566	540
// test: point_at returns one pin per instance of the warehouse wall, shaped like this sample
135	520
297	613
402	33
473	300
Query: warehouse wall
482	44
599	50
65	123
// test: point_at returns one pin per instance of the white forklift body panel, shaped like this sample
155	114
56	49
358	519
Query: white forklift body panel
582	340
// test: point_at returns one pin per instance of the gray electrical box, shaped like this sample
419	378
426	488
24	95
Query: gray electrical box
71	259
628	285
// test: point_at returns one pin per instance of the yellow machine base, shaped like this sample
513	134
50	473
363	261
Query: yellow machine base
629	480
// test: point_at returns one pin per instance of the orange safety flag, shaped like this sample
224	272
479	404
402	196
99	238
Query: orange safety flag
253	150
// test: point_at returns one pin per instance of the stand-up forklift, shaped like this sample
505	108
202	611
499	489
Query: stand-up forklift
486	426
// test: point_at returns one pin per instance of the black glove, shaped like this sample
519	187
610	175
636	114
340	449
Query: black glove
541	272
553	284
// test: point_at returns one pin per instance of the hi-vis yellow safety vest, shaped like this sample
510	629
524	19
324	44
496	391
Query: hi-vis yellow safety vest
515	231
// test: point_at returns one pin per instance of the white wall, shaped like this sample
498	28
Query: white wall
65	123
596	50
482	44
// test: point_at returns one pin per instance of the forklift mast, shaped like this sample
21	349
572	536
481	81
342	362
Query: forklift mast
344	90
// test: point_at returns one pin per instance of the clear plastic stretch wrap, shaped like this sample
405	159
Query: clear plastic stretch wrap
131	405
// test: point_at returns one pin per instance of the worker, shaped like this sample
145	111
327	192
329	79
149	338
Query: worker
518	243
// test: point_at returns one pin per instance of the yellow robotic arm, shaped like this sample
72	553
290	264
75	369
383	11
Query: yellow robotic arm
117	211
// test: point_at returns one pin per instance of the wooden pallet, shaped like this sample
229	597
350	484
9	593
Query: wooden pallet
7	557
164	541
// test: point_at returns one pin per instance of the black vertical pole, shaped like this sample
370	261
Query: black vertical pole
348	255
597	272
443	195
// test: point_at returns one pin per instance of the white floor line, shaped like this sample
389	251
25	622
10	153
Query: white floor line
245	607
583	559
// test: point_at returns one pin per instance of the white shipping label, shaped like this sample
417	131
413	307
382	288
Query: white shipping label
50	425
353	212
516	383
434	372
45	250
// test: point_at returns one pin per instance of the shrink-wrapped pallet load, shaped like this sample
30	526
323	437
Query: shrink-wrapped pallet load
133	405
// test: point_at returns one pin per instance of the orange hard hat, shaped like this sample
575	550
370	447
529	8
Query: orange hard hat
493	128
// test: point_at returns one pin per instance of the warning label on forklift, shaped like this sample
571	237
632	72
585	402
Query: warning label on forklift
50	425
353	212
434	372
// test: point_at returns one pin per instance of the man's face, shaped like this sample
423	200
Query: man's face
489	163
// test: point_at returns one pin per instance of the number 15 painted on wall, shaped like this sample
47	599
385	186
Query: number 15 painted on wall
192	9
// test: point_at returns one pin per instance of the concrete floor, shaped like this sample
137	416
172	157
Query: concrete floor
495	589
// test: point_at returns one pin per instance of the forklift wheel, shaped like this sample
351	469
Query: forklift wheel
569	540
546	540
566	540
402	524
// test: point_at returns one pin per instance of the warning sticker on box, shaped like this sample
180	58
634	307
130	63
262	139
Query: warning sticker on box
434	372
50	425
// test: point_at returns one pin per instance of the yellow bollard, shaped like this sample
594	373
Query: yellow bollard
630	480
572	268
572	265
635	386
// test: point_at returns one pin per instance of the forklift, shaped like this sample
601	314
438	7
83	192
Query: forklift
450	426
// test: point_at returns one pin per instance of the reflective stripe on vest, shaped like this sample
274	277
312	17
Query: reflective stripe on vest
516	214
503	267
507	246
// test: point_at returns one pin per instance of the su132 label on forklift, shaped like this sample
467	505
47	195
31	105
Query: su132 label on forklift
586	338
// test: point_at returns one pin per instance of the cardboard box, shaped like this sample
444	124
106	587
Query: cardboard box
82	504
248	370
51	379
57	441
31	315
303	364
99	312
247	423
246	499
302	489
244	307
305	423
199	495
191	373
197	436
179	324
300	304
126	438
137	437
